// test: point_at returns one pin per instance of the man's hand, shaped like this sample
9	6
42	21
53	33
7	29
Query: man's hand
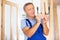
45	19
39	17
45	28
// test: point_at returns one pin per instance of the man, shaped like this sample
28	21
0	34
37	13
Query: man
34	27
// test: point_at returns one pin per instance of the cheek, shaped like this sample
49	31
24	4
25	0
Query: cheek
29	12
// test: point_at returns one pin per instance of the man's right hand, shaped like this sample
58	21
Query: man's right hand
39	17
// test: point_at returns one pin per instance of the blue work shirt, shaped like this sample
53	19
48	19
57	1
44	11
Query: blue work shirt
23	25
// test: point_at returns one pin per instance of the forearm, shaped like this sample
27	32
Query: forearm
45	29
32	30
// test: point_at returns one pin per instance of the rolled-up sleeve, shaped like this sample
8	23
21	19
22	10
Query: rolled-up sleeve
23	24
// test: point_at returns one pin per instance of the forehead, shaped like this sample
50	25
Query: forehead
29	6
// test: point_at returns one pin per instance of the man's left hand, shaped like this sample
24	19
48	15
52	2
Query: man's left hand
46	18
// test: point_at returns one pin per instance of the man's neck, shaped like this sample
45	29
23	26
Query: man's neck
31	18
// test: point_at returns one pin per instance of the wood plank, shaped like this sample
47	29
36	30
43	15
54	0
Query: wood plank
11	3
17	23
51	21
10	23
2	21
56	22
43	8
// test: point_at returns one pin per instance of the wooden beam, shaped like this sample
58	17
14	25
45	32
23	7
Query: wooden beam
56	22
0	18
57	2
43	8
2	21
51	21
46	4
10	23
11	3
17	23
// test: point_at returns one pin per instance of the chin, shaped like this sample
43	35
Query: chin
33	16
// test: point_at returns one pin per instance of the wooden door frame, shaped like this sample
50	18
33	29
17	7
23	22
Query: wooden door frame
3	17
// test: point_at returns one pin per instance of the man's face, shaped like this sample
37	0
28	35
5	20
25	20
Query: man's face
29	9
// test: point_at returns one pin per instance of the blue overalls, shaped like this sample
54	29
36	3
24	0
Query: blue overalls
38	35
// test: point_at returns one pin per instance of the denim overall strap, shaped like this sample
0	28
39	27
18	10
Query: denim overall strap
27	20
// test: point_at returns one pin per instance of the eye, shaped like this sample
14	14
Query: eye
30	9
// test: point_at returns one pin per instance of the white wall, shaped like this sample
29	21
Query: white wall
7	22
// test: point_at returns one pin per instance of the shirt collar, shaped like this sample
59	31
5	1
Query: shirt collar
31	20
